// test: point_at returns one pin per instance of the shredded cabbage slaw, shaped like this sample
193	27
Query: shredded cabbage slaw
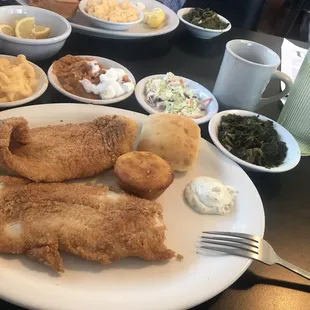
170	94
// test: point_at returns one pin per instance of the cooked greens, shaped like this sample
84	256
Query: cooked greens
252	139
205	18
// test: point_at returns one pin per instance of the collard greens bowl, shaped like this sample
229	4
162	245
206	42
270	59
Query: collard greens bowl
293	152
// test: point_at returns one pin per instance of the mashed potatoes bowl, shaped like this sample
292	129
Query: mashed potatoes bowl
101	23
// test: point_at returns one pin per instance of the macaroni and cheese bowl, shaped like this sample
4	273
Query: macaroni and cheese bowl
112	14
32	81
34	49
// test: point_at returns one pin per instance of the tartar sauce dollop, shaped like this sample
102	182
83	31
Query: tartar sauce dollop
210	196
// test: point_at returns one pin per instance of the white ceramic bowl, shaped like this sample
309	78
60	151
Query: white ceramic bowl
199	32
293	152
40	89
202	92
107	63
101	23
34	49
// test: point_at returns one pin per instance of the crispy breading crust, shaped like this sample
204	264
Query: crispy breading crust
92	222
63	152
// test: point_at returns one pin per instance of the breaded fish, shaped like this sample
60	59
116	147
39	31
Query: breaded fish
92	222
64	152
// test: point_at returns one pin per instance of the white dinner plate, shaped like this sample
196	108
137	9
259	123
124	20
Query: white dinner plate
40	89
202	92
81	24
107	63
133	283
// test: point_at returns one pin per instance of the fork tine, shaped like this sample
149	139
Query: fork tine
233	234
231	239
230	251
232	245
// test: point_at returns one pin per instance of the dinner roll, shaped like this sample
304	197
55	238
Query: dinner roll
175	138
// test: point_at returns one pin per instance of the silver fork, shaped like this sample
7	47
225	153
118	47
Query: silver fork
246	245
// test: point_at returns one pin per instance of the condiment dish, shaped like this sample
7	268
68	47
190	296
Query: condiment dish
293	152
34	49
199	32
202	92
106	63
101	23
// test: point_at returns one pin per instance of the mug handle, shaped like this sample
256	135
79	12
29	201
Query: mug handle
278	75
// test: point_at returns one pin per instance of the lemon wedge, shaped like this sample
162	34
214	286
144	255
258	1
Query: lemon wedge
155	18
25	28
42	32
154	21
6	29
160	13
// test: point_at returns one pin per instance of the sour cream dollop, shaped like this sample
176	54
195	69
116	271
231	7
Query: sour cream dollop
210	196
94	66
111	83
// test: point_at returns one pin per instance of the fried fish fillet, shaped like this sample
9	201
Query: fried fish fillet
92	222
63	152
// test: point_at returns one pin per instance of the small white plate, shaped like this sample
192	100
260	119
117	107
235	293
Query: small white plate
199	32
293	153
81	24
202	92
102	61
40	89
105	24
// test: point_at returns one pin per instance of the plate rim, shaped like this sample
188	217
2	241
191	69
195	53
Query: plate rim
139	96
185	302
55	83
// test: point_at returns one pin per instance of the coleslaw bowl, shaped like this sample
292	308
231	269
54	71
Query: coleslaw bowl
203	94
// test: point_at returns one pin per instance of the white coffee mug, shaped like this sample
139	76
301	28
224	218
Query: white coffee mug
246	70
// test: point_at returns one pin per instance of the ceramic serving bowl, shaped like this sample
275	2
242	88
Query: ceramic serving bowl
106	63
40	89
293	152
201	90
199	32
101	23
34	49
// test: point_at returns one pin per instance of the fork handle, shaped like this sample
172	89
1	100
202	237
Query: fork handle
294	268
